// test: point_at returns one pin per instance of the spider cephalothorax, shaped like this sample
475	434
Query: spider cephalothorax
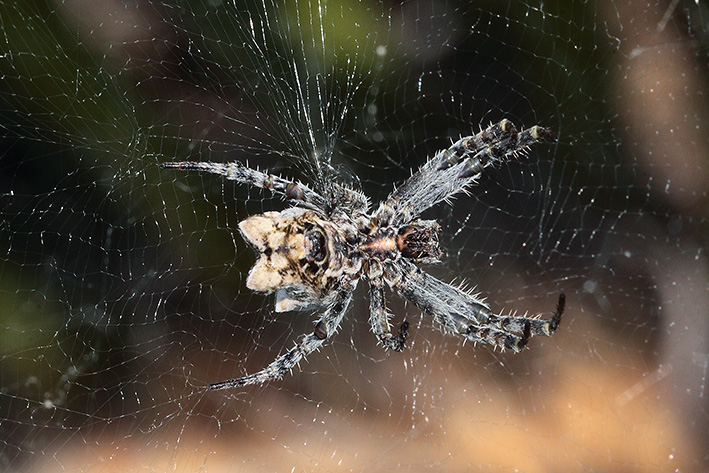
313	255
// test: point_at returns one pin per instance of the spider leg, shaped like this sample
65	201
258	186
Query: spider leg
326	326
477	311
379	318
235	171
452	170
462	313
537	326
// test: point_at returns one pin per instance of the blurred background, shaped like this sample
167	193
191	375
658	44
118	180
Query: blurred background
122	286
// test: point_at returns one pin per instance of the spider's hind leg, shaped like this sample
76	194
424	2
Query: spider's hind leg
324	328
235	171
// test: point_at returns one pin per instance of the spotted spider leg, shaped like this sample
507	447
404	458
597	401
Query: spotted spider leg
454	169
235	171
379	317
464	314
326	326
476	310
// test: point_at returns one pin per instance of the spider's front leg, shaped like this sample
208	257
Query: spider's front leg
325	327
465	315
379	316
454	169
235	171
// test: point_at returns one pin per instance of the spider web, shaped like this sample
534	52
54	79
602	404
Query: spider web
122	286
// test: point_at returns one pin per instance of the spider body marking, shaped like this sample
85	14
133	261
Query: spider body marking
313	254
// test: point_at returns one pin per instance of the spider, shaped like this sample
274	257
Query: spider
313	254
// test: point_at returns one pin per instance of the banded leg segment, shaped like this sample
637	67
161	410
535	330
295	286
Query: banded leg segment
326	326
462	313
379	319
452	170
415	286
480	313
236	171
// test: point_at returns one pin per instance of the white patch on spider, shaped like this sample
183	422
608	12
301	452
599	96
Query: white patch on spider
264	276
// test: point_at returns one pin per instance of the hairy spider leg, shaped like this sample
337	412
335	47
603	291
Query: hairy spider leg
326	326
452	170
379	318
479	312
235	171
465	315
